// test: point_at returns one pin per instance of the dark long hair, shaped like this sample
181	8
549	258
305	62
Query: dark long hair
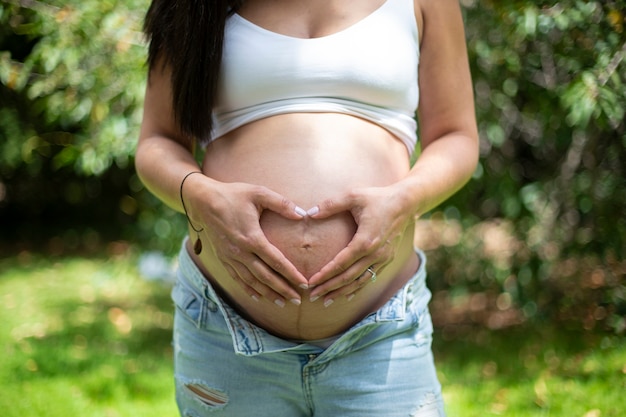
188	36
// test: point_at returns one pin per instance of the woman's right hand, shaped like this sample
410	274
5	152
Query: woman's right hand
230	215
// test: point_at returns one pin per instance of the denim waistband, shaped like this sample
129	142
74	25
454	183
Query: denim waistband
249	339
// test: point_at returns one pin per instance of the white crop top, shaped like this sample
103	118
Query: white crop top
368	70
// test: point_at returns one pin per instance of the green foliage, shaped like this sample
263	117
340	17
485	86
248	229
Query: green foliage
550	82
72	77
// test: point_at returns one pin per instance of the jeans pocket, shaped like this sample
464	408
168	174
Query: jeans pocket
188	302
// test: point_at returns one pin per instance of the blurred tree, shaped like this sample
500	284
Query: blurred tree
544	218
72	77
550	82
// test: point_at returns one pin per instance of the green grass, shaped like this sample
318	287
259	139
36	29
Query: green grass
533	371
83	337
89	337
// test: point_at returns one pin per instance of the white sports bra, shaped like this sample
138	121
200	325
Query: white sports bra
368	70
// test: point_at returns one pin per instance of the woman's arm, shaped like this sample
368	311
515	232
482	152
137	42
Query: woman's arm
228	213
449	140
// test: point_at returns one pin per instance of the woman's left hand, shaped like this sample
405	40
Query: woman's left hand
382	217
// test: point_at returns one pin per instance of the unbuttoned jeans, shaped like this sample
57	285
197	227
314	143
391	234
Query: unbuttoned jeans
226	366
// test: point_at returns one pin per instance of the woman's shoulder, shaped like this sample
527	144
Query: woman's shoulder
437	15
426	8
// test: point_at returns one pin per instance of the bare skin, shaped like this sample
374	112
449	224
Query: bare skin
309	170
304	276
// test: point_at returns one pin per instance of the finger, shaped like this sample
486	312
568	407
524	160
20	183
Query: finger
333	275
277	262
330	207
349	291
278	290
343	283
351	255
255	246
361	247
369	277
269	200
255	295
245	276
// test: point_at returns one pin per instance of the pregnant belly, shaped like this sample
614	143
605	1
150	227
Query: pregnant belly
309	244
307	159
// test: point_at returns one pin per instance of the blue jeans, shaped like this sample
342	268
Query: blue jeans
227	366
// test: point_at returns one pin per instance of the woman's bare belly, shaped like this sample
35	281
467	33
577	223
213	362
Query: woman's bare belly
308	158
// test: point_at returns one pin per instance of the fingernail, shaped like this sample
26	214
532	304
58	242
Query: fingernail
314	298
280	303
300	211
295	301
350	297
328	302
304	286
255	298
313	211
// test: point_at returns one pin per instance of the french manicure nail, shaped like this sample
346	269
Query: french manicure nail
300	211
328	302
350	297
280	303
313	211
304	286
255	298
314	298
295	301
